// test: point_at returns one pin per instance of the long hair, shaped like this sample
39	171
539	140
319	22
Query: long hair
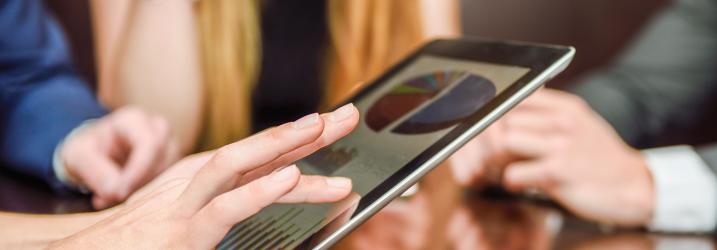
366	36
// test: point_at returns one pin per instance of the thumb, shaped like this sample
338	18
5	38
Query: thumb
99	202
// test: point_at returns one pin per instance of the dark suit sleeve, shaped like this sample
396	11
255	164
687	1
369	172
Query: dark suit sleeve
41	97
663	81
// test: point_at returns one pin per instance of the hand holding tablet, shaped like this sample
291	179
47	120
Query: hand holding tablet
413	117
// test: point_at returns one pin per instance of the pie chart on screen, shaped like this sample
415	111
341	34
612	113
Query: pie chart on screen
461	95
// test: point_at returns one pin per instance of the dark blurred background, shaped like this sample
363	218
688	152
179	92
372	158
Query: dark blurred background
599	29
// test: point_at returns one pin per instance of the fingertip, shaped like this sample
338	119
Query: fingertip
459	175
463	180
518	178
341	187
510	180
343	113
105	189
464	174
123	192
341	126
338	189
99	203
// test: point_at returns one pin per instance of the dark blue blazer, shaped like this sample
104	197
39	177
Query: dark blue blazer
41	96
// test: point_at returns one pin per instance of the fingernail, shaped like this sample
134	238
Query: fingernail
342	113
338	182
284	174
307	121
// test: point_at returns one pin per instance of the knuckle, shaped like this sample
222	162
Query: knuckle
276	134
222	158
511	139
554	166
258	195
274	137
313	182
560	143
219	205
509	121
566	121
579	102
256	190
576	104
551	181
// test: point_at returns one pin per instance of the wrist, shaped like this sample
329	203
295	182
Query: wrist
642	195
59	162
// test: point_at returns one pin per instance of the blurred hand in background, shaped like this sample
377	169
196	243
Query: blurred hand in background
556	144
117	154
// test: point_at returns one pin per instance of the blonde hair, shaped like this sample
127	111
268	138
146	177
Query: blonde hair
366	36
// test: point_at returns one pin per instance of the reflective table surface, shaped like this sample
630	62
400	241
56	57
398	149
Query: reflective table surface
440	215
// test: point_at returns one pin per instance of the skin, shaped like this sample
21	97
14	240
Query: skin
194	204
136	62
117	154
555	144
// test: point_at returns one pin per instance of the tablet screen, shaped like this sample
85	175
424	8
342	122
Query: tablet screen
400	119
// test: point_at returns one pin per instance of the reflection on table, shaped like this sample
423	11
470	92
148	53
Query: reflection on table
443	216
440	215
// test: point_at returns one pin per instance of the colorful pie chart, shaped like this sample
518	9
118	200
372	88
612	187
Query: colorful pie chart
453	96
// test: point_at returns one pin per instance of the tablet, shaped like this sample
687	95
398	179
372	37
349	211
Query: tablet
412	118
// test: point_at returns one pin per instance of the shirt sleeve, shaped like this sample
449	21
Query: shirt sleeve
58	165
42	98
685	190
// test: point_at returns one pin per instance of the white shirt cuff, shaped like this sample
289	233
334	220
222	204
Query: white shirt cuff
685	190
676	242
58	165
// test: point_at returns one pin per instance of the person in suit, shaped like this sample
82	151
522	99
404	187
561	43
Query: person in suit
580	146
51	125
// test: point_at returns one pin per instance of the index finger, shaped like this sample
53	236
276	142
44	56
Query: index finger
230	162
334	129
